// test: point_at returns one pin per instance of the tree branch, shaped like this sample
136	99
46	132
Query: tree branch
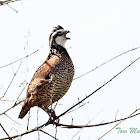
5	131
15	104
32	130
4	2
11	81
117	124
106	62
19	59
48	134
94	125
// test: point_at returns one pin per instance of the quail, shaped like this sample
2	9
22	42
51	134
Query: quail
53	78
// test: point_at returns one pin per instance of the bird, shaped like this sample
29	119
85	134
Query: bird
53	78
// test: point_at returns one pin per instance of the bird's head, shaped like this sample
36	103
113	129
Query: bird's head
58	36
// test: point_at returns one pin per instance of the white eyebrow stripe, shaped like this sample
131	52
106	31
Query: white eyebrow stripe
57	32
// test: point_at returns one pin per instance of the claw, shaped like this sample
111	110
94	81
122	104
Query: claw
53	118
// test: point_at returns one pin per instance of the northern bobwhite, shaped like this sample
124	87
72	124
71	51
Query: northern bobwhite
53	78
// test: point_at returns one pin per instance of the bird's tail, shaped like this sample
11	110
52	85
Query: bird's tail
24	110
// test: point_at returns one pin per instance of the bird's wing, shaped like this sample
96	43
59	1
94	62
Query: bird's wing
43	75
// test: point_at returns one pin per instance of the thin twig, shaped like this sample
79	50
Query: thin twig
21	93
106	62
5	131
55	132
30	131
38	122
19	59
12	8
28	120
80	130
48	134
12	128
15	104
95	125
78	107
11	81
117	125
7	2
116	114
11	119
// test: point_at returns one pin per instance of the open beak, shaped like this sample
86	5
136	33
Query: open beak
66	33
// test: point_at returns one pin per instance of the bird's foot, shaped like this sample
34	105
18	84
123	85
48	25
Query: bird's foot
53	116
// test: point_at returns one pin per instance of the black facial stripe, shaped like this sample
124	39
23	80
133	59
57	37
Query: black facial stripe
59	33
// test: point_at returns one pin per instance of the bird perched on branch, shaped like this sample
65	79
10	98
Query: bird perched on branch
53	78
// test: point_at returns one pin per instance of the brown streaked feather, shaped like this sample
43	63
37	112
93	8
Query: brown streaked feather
43	71
38	81
24	110
53	78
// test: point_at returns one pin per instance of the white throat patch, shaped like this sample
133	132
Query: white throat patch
60	40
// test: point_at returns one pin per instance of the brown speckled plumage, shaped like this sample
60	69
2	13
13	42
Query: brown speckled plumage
51	80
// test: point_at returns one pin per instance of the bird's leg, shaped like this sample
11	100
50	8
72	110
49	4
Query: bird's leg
51	114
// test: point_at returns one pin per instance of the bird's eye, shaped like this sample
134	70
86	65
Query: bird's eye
59	33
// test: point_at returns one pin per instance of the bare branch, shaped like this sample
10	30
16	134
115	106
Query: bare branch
38	123
12	128
11	119
12	8
94	125
11	81
28	121
56	132
78	107
5	131
68	126
117	124
116	114
19	59
65	126
106	62
4	2
17	103
48	134
80	131
32	130
21	93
